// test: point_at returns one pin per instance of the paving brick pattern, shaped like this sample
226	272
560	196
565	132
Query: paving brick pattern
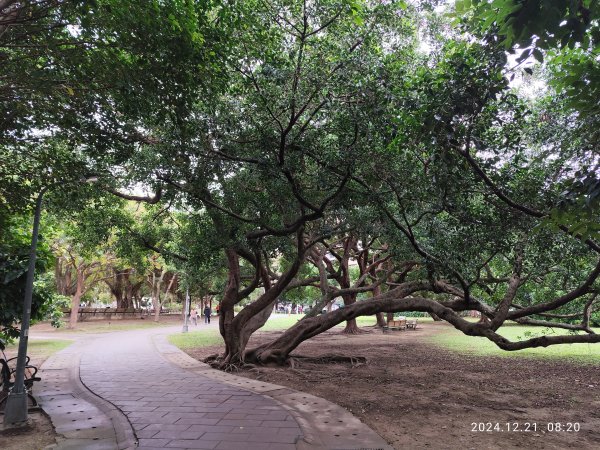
77	418
171	408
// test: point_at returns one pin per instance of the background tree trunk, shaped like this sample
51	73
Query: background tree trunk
156	291
76	298
381	322
351	325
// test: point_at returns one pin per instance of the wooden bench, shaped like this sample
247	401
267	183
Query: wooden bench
411	324
395	325
7	379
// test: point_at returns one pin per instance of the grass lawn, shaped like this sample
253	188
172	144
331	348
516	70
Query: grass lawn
116	325
194	339
276	322
454	340
282	321
45	348
39	349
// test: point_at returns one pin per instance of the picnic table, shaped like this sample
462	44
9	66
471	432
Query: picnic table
411	324
401	324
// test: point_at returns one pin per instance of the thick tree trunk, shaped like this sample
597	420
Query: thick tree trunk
351	325
233	350
156	304
236	330
435	318
238	333
128	297
381	322
156	291
76	299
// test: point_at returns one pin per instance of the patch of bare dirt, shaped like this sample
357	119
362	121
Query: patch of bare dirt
37	434
416	395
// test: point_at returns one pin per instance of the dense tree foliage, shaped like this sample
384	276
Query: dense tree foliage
366	150
565	36
14	257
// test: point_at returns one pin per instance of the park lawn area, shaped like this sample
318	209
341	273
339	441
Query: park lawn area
456	341
194	339
39	349
283	322
205	338
46	347
103	326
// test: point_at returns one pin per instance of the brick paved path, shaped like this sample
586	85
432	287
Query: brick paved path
169	407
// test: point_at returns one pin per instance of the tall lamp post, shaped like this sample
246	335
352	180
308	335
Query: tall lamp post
15	410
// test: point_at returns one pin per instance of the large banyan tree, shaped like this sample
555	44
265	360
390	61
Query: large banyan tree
328	147
338	142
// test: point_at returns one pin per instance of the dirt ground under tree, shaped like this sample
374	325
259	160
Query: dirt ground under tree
417	395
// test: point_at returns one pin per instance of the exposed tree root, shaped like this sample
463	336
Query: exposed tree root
354	361
355	331
220	362
211	358
229	367
256	371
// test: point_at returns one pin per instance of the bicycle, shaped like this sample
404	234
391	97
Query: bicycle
7	379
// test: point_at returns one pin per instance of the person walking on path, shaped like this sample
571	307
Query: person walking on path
194	316
207	312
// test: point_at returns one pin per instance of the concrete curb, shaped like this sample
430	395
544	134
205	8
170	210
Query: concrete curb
325	425
80	417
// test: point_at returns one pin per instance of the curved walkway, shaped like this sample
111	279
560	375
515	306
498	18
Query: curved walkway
134	390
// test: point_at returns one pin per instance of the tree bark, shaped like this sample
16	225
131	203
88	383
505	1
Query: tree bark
351	325
76	298
63	277
236	330
381	322
156	291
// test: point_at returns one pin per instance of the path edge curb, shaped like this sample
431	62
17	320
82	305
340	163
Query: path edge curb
125	436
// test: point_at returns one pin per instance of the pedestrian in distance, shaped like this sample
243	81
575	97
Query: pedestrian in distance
207	313
194	316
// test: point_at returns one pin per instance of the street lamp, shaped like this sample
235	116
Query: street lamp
15	410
